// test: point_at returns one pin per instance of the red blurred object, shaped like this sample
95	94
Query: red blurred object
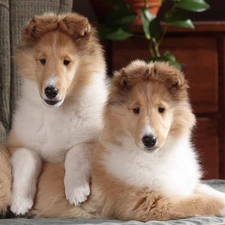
102	8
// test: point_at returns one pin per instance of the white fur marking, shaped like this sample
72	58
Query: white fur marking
147	130
51	81
26	168
77	177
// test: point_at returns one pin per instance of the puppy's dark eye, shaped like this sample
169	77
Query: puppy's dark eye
161	110
66	62
136	110
43	61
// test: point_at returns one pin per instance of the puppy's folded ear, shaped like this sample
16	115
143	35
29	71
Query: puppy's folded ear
121	80
77	26
38	25
172	76
178	83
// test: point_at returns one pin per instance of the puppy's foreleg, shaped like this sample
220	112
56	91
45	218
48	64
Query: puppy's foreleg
26	167
77	173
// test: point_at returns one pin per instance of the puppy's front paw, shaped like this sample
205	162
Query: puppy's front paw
76	192
21	205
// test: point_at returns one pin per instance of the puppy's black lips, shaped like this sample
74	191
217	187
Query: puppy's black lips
51	102
151	149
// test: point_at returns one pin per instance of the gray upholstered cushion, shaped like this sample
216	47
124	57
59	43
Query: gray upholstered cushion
5	69
190	221
13	16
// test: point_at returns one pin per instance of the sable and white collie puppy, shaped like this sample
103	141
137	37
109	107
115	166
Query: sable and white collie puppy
59	114
144	166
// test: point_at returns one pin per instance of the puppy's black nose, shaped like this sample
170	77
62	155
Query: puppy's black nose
51	92
149	141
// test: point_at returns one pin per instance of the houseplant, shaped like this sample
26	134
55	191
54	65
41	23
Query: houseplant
118	24
102	7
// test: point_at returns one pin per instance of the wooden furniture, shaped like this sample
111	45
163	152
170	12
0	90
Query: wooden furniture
202	52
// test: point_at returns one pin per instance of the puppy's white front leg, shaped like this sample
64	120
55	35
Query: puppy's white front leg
77	175
26	167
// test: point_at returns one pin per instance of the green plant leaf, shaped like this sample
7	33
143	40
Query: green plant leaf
120	14
149	16
167	57
176	64
185	23
146	17
155	28
170	58
192	5
117	34
125	20
177	18
151	25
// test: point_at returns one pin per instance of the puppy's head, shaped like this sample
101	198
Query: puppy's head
148	103
53	46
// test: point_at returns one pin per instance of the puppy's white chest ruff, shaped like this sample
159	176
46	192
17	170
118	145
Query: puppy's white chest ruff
55	135
167	171
51	134
53	131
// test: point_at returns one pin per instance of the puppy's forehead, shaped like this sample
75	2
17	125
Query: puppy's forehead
161	71
151	90
55	39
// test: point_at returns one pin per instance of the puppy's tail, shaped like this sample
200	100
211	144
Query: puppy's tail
5	181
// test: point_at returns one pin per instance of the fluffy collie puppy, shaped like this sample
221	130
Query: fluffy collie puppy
59	113
5	180
144	166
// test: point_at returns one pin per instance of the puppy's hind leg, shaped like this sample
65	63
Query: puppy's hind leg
205	189
26	167
5	180
199	205
77	173
153	206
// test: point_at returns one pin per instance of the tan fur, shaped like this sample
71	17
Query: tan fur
5	180
52	181
112	198
57	38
